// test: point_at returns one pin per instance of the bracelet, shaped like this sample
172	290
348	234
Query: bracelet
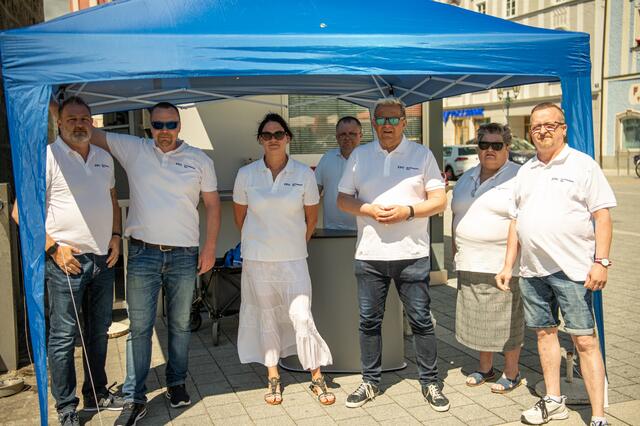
113	234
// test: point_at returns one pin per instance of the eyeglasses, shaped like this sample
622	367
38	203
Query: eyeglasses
381	121
267	136
496	146
169	125
352	135
549	127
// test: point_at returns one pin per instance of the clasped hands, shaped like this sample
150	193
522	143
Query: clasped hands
388	214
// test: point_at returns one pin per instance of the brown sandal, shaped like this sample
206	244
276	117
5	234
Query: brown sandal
319	388
274	396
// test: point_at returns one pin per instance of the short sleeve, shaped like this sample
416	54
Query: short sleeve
209	182
311	195
123	147
598	192
432	175
240	187
320	170
347	183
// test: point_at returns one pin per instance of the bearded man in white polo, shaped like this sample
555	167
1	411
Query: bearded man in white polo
167	179
392	186
82	246
562	225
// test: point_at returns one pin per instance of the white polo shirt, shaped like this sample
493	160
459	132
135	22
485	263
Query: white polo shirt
553	204
481	219
78	201
400	177
328	174
164	189
274	229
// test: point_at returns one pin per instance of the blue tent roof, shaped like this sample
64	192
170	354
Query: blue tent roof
133	53
204	49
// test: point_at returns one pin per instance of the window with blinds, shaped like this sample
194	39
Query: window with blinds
313	123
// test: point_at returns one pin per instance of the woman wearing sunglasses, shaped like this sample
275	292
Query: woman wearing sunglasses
276	201
487	319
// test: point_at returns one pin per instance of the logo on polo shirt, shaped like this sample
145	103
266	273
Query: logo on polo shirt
292	184
408	168
562	180
186	166
101	166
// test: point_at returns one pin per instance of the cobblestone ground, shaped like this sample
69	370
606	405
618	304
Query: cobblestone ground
226	392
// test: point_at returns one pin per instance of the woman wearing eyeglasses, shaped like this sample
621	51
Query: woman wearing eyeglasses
275	203
487	319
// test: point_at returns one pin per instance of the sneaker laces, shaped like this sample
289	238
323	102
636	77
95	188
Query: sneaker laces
435	391
542	407
365	389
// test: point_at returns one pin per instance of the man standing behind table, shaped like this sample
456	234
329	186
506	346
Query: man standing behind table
82	246
167	178
562	224
393	185
329	171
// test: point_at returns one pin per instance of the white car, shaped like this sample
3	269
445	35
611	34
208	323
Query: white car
457	159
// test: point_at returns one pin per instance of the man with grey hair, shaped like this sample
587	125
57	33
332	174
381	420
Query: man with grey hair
393	186
329	171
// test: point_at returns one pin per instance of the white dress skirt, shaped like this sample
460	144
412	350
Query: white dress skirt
275	315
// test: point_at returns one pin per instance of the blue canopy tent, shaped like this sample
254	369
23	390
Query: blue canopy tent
132	53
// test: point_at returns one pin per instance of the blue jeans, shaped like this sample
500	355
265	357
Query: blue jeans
148	270
411	277
543	296
92	291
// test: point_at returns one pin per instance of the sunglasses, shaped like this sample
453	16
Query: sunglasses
169	125
267	136
496	146
381	121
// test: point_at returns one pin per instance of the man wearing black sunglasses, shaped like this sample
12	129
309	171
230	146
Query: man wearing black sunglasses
167	180
562	226
393	186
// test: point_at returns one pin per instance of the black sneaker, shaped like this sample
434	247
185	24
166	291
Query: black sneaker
178	396
108	402
434	396
131	413
69	418
359	397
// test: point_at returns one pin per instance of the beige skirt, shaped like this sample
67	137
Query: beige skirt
487	318
275	315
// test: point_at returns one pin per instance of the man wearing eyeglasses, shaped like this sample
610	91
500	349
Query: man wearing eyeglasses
562	226
329	171
167	179
392	186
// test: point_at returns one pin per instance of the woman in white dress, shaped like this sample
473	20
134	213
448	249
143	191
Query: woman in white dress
275	203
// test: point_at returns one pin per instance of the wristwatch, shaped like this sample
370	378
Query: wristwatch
603	261
412	213
51	250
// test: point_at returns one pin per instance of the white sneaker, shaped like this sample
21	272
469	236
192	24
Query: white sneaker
544	411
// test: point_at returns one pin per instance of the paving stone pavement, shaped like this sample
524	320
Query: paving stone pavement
226	392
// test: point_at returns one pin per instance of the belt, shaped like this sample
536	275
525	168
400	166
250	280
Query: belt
161	247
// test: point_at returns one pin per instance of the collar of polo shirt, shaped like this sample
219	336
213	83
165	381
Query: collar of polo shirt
560	158
286	170
475	173
69	151
180	147
400	149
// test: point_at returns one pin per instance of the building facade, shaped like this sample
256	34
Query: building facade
621	86
465	113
